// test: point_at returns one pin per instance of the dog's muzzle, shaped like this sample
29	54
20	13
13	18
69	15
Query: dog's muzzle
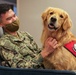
52	23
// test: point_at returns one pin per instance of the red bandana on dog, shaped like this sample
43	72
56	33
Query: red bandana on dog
71	46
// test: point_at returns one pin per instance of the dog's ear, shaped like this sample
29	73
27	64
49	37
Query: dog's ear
44	16
45	13
67	23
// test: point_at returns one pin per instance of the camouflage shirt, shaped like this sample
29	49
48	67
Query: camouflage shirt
20	52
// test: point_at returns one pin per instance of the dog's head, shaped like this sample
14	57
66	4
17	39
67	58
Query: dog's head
56	18
56	22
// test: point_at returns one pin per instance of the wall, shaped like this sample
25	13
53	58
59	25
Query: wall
29	12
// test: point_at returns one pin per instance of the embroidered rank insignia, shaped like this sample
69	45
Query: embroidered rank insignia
71	46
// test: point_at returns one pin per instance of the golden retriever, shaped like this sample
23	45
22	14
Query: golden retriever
57	24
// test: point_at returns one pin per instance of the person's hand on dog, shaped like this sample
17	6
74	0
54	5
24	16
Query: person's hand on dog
49	47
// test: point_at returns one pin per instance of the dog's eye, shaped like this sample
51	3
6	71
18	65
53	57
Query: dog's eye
61	16
51	13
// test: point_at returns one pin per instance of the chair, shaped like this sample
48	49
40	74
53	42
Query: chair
19	71
1	31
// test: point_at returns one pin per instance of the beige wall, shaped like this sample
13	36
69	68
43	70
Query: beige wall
29	13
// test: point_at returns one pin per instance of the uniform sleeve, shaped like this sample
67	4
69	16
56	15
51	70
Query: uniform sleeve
16	60
38	59
11	57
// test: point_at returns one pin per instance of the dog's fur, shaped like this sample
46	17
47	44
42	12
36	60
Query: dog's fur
57	24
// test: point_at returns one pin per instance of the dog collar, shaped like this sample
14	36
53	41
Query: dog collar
71	46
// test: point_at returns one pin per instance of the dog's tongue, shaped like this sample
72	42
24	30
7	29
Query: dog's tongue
51	26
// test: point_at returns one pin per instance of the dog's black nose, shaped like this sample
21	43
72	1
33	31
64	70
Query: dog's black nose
53	19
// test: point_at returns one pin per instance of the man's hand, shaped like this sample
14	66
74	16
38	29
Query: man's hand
49	46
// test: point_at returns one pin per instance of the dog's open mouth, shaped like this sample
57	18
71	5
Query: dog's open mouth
51	26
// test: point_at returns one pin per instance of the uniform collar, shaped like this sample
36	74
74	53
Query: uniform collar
14	38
